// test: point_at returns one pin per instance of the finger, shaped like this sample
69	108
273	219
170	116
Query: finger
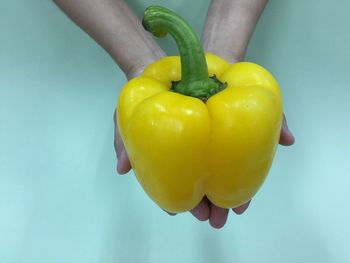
286	137
123	165
241	209
117	138
202	210
218	216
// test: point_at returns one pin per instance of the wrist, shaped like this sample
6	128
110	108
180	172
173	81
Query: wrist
230	57
138	66
229	26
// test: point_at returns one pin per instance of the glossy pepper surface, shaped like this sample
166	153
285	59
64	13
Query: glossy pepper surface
196	126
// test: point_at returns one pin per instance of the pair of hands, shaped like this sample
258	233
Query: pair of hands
219	15
228	28
205	210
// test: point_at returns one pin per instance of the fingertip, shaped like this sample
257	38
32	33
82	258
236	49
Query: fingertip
202	215
123	165
216	225
241	209
218	216
170	213
291	139
287	138
238	212
123	170
202	210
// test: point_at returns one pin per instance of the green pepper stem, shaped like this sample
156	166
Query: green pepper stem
194	71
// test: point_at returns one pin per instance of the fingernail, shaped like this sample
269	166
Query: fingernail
241	209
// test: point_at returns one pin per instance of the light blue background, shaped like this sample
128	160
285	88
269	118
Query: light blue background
60	197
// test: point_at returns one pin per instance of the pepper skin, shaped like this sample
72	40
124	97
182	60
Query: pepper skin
189	136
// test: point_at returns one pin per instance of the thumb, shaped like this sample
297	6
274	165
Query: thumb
286	137
123	163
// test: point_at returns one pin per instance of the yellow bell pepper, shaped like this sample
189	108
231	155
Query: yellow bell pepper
196	126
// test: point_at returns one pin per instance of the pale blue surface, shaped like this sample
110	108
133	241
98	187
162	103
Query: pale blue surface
60	198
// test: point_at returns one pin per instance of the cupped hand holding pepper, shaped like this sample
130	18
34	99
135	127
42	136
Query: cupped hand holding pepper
229	26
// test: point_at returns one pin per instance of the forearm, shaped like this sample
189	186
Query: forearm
229	26
112	25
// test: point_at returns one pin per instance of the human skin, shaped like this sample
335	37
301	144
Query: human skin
228	28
